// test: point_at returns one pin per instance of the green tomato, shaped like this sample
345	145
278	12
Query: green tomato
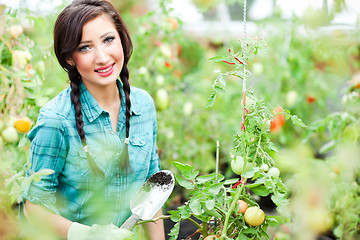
237	165
162	99
291	97
264	167
10	135
187	109
274	172
257	68
254	216
249	104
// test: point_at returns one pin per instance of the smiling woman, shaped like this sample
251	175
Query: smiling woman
84	133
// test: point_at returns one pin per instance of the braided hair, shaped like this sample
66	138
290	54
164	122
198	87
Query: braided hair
67	37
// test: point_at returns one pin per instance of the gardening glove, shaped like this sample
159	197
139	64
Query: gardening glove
79	231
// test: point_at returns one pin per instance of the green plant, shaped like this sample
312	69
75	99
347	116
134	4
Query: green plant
211	197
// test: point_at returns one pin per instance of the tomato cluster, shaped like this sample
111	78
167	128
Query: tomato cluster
253	216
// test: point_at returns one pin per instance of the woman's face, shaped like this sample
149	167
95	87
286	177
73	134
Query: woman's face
99	57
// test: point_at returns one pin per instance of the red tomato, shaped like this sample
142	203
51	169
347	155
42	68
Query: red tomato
211	237
278	120
310	99
242	205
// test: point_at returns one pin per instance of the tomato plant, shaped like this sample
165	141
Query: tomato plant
212	196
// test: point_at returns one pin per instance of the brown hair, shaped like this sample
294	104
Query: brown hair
67	37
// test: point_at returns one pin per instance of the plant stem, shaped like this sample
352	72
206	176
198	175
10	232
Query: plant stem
232	206
155	219
195	223
203	229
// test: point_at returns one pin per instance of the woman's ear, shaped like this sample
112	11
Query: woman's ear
70	62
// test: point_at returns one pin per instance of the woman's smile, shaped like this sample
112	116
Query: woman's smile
105	71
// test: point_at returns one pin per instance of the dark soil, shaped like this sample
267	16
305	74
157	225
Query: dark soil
161	179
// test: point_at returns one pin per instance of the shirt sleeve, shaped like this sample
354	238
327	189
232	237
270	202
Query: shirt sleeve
155	161
48	150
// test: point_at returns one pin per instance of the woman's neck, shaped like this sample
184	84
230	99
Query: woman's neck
108	97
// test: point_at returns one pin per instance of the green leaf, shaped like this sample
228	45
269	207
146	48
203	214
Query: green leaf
211	212
210	204
184	211
195	206
184	183
251	172
297	121
219	88
211	100
27	182
174	232
231	181
260	190
215	189
42	172
186	170
279	199
327	146
218	58
175	215
250	230
23	141
243	236
277	219
272	222
264	235
221	80
205	178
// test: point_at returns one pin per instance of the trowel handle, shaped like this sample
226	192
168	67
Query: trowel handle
130	223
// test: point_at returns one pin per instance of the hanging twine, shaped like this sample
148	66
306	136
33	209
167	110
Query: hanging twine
245	70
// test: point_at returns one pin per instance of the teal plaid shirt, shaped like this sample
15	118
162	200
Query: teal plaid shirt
72	190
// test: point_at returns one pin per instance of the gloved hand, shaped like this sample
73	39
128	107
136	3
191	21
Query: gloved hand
79	231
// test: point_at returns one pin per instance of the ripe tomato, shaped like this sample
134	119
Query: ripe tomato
274	172
15	31
173	23
242	206
211	237
254	216
22	124
278	120
237	165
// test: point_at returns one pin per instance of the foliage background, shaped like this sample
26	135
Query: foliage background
309	67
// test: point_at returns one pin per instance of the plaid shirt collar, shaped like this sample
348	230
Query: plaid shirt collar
91	108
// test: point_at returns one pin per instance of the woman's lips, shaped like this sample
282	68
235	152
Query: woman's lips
105	71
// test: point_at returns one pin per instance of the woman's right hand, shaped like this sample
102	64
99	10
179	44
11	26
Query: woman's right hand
79	231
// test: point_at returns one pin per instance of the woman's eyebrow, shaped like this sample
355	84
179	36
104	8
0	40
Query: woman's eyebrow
102	36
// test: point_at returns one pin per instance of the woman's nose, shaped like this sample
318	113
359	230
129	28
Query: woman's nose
102	57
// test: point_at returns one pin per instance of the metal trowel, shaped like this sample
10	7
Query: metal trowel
150	198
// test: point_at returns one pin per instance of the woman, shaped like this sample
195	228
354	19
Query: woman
99	135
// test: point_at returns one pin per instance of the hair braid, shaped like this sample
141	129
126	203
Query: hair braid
124	75
75	98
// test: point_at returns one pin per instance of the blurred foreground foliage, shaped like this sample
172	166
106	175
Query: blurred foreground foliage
311	70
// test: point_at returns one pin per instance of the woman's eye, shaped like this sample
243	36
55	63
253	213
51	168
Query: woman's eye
109	39
84	48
